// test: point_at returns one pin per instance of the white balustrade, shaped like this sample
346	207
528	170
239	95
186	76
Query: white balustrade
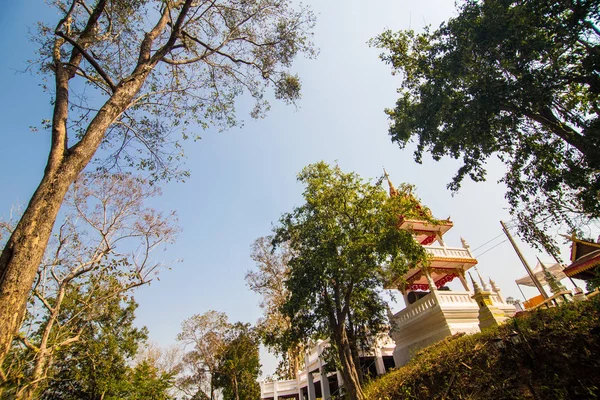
418	307
496	299
454	298
448	252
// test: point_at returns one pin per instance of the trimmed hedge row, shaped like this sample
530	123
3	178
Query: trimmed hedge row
544	354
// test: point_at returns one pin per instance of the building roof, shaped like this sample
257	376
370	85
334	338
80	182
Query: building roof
585	257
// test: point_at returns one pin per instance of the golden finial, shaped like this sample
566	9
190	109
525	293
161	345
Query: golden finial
484	285
476	287
393	191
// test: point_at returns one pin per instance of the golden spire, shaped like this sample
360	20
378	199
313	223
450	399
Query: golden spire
393	191
476	288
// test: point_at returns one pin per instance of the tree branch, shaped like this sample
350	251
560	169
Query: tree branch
89	59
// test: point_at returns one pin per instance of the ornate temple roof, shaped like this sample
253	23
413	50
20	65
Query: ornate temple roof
585	257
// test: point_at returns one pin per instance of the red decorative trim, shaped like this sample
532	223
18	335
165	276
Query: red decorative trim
445	280
418	286
428	240
582	265
441	282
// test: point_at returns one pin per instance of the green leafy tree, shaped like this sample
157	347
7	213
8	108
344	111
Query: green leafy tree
516	79
122	75
239	364
204	337
345	243
95	367
146	381
103	245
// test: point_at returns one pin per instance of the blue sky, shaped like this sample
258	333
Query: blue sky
244	179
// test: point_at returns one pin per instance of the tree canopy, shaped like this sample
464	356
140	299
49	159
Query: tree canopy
269	282
344	243
123	76
239	364
516	79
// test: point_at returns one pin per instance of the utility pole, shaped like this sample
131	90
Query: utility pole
536	282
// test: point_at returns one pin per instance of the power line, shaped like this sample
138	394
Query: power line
491	248
491	240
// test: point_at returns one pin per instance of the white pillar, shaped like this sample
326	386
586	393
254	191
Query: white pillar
300	394
430	281
325	392
379	364
463	280
312	395
340	381
275	390
438	234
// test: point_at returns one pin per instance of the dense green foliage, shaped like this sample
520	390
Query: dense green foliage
220	357
99	364
556	356
517	79
239	364
344	244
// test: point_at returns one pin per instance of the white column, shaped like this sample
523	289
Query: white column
274	390
340	381
311	386
463	280
379	365
430	281
325	392
300	394
440	239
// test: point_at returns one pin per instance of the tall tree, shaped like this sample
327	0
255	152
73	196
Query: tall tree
345	242
103	246
239	364
204	336
518	79
268	281
123	74
97	366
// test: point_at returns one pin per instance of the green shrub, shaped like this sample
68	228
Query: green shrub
545	354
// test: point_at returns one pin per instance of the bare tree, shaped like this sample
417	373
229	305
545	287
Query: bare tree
269	282
123	75
204	336
101	250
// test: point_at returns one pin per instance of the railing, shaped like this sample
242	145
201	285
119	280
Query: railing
496	299
454	298
268	388
448	252
418	307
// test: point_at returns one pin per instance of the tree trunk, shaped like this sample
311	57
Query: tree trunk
41	363
235	388
349	372
24	250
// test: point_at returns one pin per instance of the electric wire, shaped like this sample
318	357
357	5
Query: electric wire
491	248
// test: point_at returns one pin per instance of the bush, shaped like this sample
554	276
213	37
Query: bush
544	354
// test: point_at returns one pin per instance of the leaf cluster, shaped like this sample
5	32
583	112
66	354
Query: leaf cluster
345	243
516	79
196	57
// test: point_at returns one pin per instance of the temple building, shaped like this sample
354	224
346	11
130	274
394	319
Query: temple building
585	259
432	311
315	381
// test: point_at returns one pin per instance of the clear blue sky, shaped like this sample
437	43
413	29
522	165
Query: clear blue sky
244	179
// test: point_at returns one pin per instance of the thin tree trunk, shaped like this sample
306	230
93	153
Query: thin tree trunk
24	250
235	388
349	371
